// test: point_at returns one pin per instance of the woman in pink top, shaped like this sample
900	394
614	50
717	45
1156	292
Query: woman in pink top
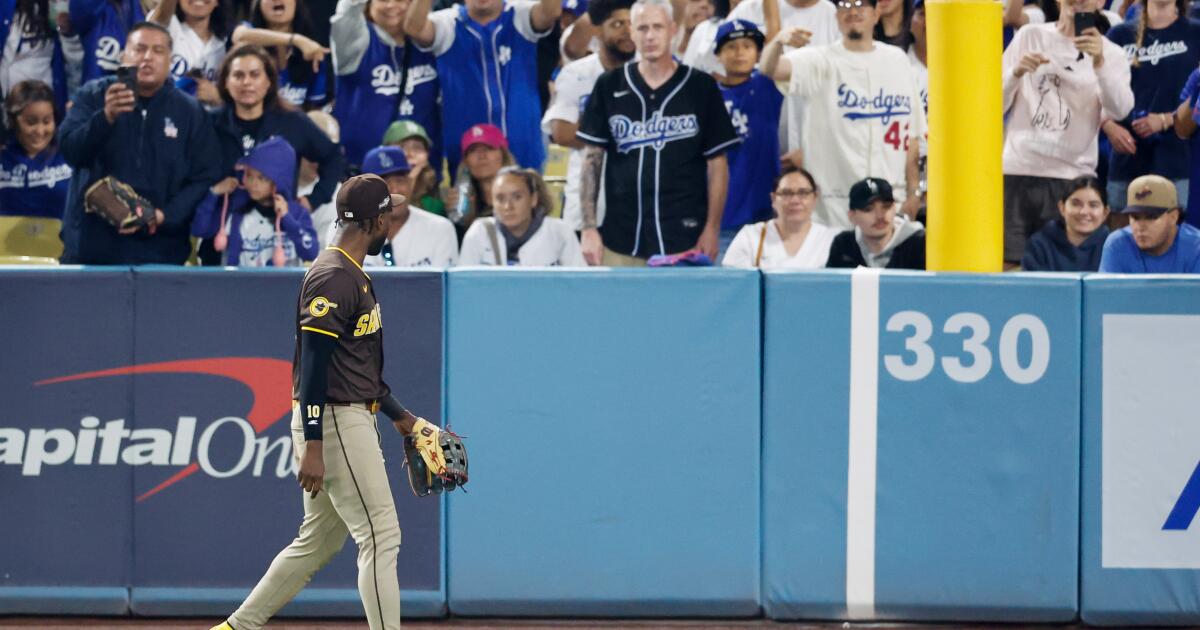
1059	87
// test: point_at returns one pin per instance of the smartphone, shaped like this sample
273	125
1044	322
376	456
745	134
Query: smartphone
1084	21
128	76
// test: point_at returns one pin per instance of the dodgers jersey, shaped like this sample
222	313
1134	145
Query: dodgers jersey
862	111
370	69
658	143
571	91
488	74
33	186
754	107
102	28
189	52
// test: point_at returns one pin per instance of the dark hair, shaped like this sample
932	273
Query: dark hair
299	70
906	22
1079	183
788	170
23	95
37	17
601	10
220	22
151	26
271	100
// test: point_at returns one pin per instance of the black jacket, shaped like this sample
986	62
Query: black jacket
1050	250
164	149
294	126
909	254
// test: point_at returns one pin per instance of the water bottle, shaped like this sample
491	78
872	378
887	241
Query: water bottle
463	207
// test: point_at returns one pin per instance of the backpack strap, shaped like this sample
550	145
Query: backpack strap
490	225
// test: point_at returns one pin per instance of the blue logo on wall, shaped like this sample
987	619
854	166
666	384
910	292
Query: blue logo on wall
1186	506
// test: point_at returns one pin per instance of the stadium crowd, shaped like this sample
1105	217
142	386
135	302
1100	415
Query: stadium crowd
749	133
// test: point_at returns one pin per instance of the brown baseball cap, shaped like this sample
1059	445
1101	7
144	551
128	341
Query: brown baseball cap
365	197
1151	194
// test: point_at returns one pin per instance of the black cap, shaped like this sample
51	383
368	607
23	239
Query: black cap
365	197
868	190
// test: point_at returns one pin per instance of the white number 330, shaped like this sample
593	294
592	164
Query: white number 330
918	360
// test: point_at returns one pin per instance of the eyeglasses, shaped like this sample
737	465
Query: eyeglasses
852	4
799	193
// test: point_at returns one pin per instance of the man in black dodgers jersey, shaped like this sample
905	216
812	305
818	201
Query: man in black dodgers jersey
337	381
665	129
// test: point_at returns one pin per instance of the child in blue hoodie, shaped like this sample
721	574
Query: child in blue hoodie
261	223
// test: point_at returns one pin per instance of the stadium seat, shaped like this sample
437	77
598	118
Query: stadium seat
28	260
30	236
556	162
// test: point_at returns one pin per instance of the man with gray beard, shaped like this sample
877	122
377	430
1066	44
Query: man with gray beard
658	130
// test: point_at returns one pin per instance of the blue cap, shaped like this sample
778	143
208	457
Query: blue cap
575	7
737	29
917	4
383	161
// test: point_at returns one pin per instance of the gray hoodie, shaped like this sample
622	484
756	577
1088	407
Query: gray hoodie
904	229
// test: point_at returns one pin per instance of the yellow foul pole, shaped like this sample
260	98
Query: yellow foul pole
966	185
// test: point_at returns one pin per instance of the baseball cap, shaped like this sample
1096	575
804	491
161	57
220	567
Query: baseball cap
385	161
484	134
1151	194
864	192
917	4
738	29
365	197
402	130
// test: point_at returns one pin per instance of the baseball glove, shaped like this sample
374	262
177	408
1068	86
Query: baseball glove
436	459
120	205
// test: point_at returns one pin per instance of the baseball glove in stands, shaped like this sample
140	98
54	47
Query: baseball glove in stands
436	459
120	205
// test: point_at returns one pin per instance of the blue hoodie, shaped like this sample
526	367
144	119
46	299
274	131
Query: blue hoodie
276	160
102	26
33	186
1050	250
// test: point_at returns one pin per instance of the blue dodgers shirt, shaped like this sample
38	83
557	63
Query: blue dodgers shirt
1164	60
488	74
1190	91
102	27
33	186
754	108
370	98
1122	255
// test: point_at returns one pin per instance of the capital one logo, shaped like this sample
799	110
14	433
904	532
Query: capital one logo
1186	505
190	445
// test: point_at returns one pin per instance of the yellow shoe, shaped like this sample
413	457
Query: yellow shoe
223	626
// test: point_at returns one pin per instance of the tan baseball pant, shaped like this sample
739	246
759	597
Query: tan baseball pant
355	499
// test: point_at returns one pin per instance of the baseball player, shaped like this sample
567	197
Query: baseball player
338	387
660	131
863	115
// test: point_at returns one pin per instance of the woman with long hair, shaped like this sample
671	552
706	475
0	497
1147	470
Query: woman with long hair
1163	47
521	232
1075	240
252	112
34	176
30	48
284	28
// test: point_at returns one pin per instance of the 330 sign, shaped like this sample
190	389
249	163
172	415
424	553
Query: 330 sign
919	359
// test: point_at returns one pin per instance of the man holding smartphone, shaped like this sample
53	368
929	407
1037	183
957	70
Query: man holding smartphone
1060	81
137	128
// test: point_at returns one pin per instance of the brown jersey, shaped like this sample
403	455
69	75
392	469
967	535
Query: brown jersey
337	300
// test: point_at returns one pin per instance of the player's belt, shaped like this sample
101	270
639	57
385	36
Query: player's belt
369	405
